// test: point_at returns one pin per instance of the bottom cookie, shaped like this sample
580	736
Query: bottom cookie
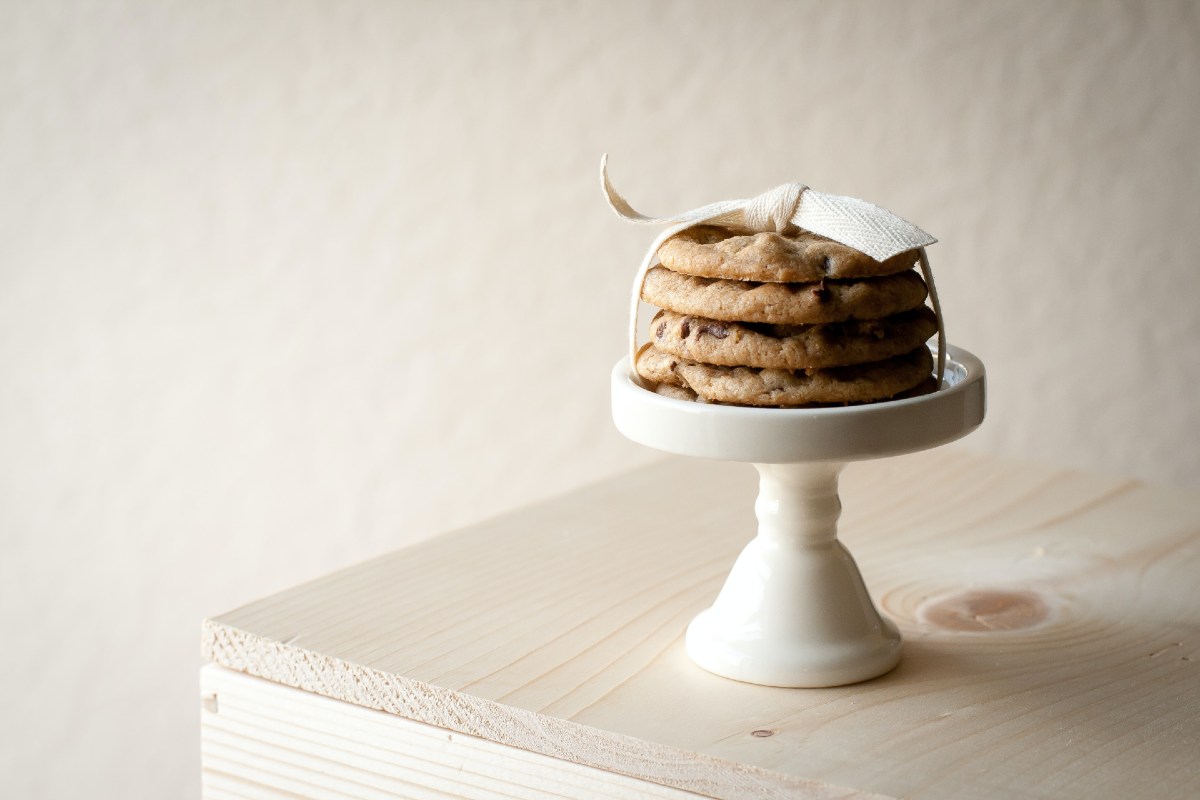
863	383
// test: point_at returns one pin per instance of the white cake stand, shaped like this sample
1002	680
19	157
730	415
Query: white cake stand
794	610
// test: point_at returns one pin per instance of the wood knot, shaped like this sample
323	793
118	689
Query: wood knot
762	733
983	610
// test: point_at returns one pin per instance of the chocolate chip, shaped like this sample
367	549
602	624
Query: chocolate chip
714	329
685	327
660	330
820	292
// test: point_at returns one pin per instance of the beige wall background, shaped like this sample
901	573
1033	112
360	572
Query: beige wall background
287	284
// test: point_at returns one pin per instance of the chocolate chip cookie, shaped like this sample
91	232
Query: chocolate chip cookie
751	344
878	380
710	252
784	303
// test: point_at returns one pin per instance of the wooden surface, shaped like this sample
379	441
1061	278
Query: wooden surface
1051	618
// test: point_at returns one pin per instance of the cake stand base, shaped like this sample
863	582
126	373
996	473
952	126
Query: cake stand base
794	610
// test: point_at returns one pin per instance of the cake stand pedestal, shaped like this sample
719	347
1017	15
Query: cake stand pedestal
794	610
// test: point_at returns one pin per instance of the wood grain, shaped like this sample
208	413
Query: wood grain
261	739
1051	617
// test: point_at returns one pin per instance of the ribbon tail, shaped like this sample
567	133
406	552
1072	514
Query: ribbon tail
615	201
728	212
864	226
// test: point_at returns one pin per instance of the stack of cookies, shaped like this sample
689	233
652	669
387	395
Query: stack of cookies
768	319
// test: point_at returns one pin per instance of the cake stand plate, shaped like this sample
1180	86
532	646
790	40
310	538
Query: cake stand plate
794	610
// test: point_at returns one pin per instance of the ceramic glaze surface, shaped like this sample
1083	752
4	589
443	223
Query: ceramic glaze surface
794	610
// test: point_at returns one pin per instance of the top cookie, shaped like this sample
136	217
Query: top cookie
710	252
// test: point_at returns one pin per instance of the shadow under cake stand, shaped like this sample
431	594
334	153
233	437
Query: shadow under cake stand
794	610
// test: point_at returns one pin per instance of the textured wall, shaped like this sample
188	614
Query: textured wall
285	284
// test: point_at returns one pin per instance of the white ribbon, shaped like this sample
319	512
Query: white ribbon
786	209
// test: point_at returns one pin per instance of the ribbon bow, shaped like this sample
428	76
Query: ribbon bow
786	209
